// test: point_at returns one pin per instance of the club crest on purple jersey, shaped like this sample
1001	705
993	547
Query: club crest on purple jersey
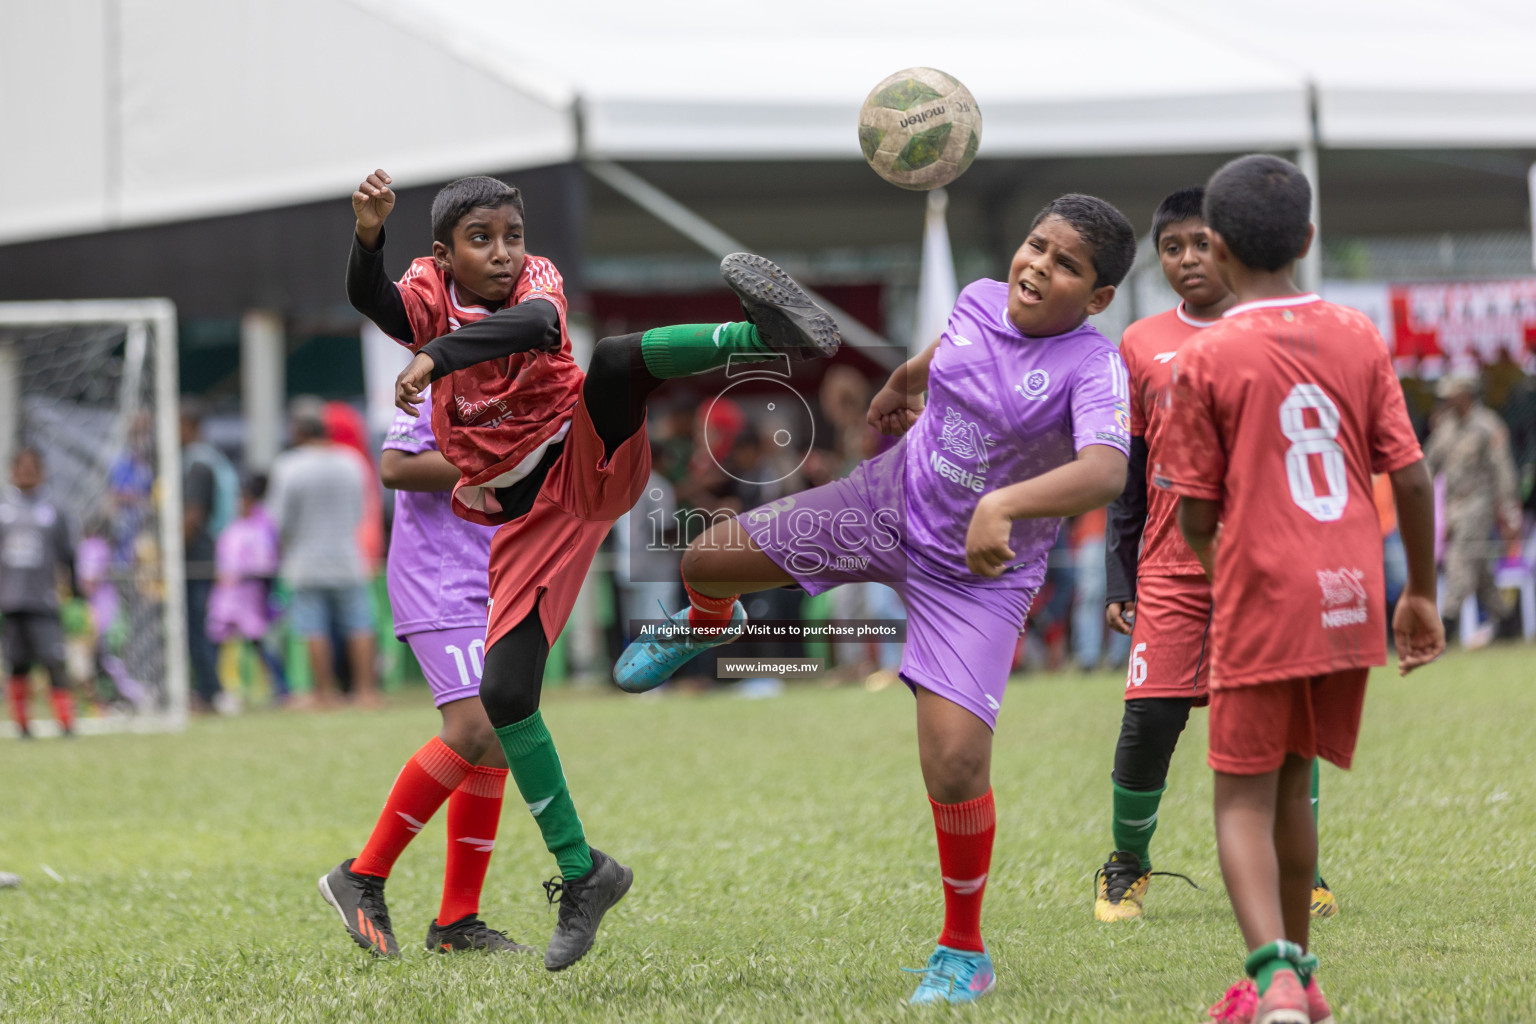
1036	385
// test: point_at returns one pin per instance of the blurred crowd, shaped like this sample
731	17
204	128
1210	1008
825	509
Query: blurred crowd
284	571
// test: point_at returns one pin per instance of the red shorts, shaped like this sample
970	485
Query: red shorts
547	552
1171	640
1253	727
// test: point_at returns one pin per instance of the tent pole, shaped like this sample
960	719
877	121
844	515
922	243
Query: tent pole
718	244
1310	271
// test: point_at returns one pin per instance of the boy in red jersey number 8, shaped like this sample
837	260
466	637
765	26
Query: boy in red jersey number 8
1280	414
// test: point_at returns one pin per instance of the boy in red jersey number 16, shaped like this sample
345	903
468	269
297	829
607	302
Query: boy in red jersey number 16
1280	414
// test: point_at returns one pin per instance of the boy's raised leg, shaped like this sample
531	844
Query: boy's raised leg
713	567
781	319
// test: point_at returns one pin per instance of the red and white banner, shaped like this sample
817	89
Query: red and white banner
1462	323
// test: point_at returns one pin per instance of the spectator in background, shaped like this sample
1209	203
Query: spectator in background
646	555
316	504
208	494
1469	446
36	550
1519	412
346	427
239	610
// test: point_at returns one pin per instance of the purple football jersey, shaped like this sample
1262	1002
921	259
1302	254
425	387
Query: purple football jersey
1005	407
438	563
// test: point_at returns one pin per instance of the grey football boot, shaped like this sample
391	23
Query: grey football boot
787	319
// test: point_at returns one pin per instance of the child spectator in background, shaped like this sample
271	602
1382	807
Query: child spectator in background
93	575
35	550
240	607
346	427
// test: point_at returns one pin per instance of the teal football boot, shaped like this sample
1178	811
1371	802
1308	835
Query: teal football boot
953	976
646	664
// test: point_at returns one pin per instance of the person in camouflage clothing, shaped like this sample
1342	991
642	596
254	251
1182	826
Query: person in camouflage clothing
1469	445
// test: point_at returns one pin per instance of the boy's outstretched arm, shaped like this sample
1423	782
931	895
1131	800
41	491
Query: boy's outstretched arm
1091	481
1416	622
897	405
369	288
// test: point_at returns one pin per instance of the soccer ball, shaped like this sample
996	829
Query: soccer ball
920	129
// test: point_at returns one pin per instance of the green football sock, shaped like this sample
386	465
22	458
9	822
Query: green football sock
685	349
1135	819
536	768
1316	773
1281	955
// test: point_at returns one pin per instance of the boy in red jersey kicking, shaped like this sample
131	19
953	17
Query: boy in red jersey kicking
1155	590
549	455
1280	414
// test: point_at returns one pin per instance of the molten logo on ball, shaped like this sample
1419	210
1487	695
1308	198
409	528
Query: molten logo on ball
920	129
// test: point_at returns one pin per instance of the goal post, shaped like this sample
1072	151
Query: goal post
92	385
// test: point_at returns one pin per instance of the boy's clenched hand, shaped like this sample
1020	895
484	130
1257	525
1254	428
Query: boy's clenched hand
371	203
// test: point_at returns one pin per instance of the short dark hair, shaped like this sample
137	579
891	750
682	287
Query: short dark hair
457	198
306	418
1110	237
1185	204
254	486
1261	206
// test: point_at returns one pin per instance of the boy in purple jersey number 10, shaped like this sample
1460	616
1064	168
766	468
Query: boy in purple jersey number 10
1027	422
437	591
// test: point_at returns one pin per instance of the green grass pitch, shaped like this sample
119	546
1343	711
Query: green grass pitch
784	859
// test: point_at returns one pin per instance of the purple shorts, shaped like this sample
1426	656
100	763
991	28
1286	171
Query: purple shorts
452	660
960	637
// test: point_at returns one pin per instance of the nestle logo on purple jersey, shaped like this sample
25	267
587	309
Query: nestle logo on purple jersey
949	471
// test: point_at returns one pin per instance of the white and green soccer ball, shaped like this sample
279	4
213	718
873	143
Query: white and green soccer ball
920	129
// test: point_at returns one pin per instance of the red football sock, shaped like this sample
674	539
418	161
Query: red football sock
16	689
474	811
63	708
427	779
708	611
965	855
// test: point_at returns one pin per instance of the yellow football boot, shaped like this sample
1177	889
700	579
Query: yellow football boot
1324	904
1122	887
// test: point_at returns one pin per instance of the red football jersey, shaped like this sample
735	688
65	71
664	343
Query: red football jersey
1148	346
487	419
1281	412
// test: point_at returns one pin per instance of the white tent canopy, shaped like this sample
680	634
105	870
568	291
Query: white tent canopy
136	111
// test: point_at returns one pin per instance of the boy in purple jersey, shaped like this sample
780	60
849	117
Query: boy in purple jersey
437	590
1026	421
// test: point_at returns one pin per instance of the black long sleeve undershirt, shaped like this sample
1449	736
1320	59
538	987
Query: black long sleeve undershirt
1125	522
521	328
534	324
373	294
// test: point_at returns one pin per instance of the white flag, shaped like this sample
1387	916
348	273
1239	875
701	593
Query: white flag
936	288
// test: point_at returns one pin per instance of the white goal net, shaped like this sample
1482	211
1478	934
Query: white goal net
92	386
